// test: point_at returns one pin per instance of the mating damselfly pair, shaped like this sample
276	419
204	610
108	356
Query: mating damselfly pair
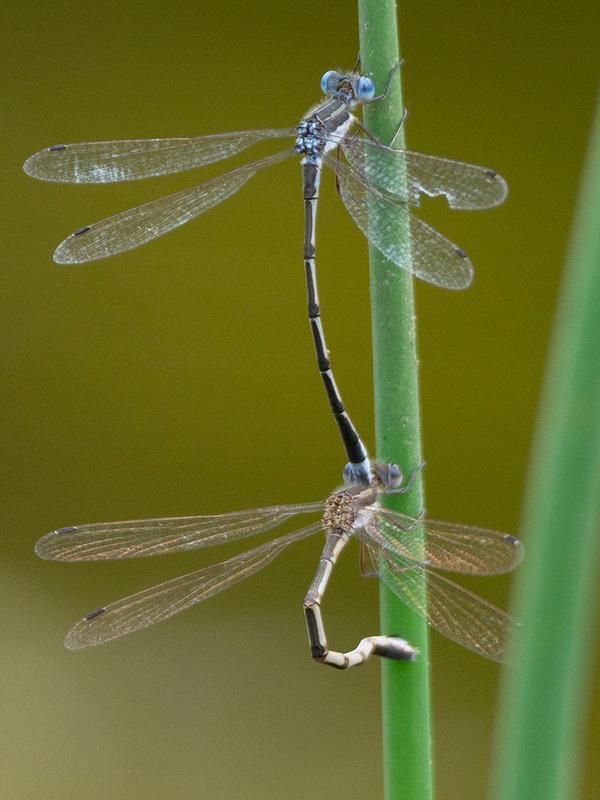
377	184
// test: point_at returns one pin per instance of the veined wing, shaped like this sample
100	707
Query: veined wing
447	607
401	237
444	545
158	603
409	175
136	226
132	159
150	537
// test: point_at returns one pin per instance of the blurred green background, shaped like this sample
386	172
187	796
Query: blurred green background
133	386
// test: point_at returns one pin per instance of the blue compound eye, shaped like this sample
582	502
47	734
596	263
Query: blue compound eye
327	80
390	475
365	88
394	476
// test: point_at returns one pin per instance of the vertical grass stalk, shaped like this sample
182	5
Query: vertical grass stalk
544	696
405	686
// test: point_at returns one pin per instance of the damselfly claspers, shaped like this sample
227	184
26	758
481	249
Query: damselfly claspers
406	552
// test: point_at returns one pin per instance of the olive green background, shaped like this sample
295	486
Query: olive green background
179	379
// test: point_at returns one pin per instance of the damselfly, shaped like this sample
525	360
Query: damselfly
377	185
406	552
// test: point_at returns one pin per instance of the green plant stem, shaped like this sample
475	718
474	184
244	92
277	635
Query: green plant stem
544	696
405	686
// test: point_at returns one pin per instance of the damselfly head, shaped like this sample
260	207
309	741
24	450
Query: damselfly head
388	475
347	86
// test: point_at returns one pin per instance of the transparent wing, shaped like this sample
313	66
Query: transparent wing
402	238
408	175
132	159
136	226
444	545
150	537
366	567
158	603
447	607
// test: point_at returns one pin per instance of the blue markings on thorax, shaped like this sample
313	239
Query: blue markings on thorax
311	138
